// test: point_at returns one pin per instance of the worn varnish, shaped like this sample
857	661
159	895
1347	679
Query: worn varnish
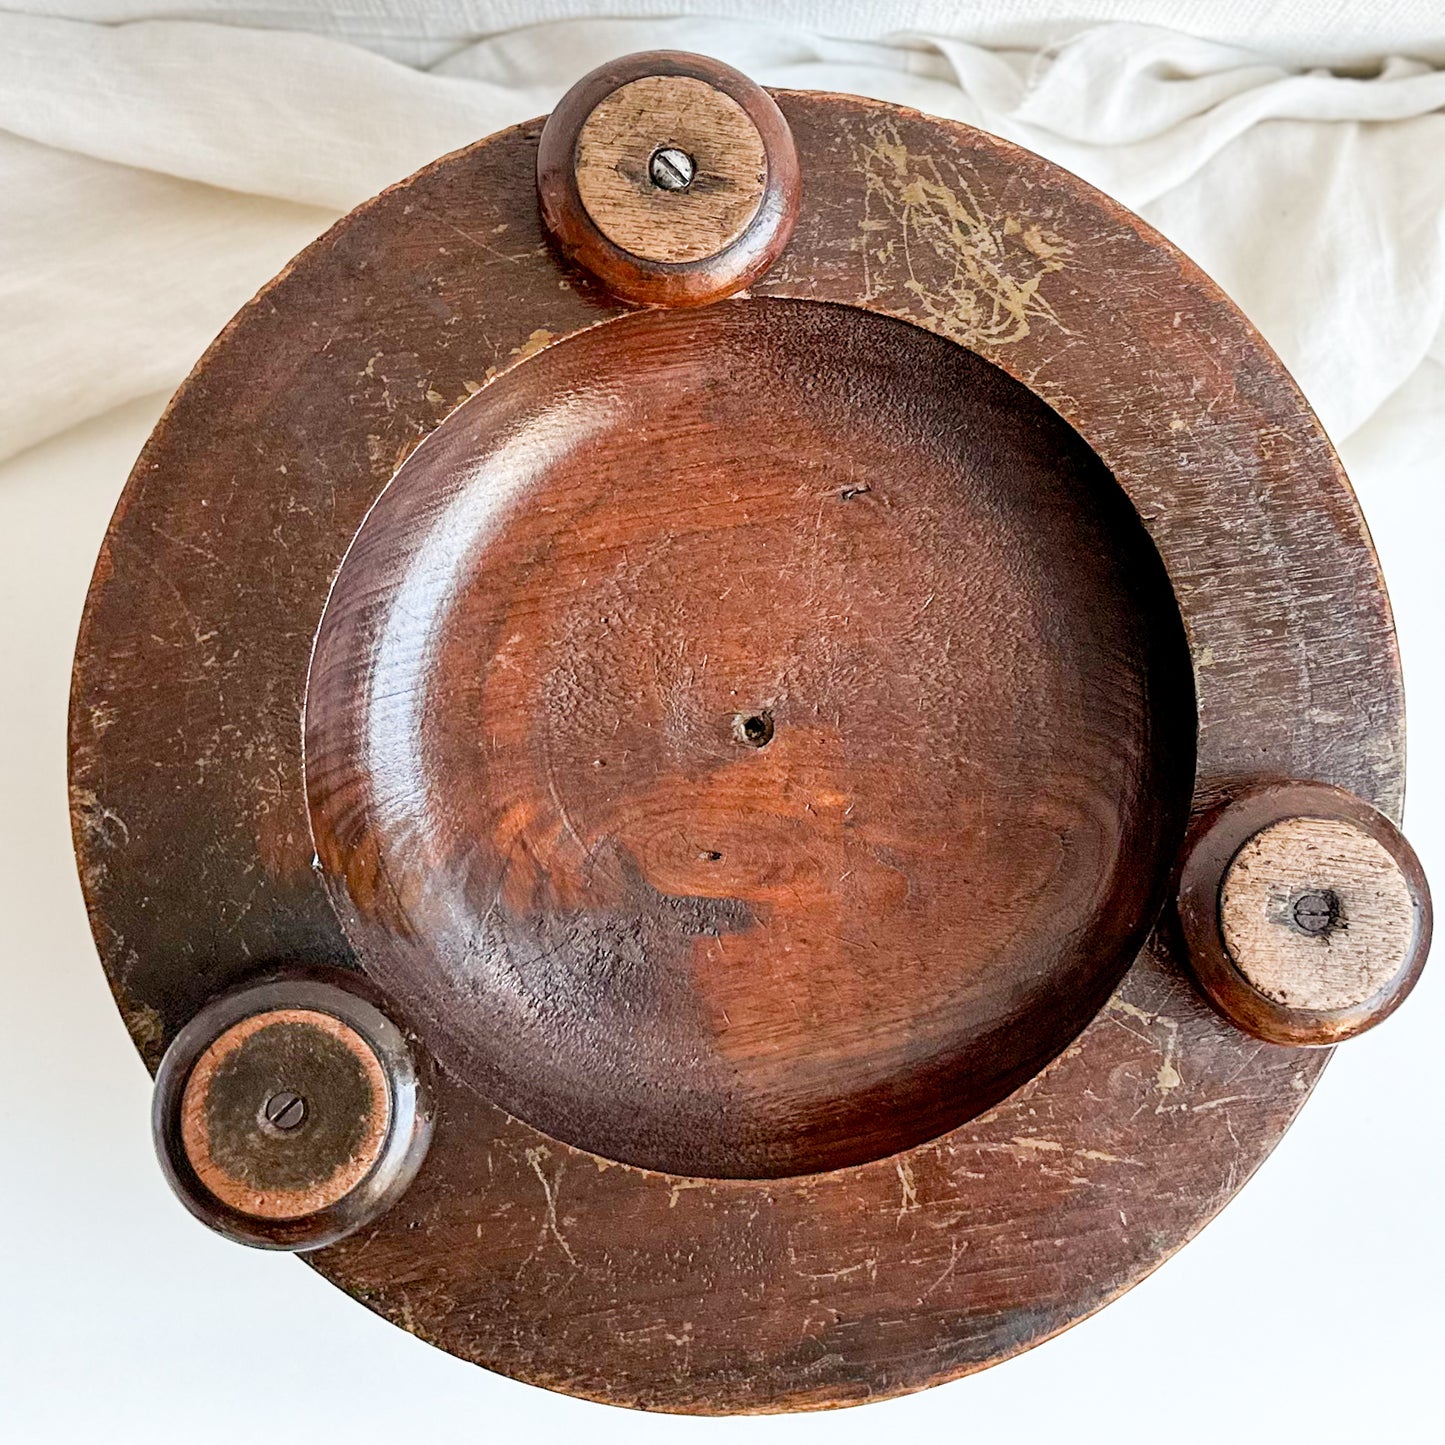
551	837
337	1090
521	1251
292	1111
719	193
1303	912
1316	914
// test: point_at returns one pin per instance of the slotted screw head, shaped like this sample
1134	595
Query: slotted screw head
671	169
285	1109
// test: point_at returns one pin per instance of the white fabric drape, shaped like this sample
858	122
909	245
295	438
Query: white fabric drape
153	174
1345	34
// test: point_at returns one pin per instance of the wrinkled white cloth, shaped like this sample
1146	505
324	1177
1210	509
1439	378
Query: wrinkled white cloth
153	174
1341	33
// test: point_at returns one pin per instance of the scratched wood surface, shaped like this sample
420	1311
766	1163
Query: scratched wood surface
1303	912
699	754
612	157
549	1263
1368	930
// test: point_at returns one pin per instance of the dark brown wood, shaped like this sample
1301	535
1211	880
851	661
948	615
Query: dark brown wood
646	243
293	1111
1305	915
522	1252
797	951
324	1083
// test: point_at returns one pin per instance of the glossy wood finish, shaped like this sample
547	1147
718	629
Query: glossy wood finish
693	950
1305	915
646	243
512	1248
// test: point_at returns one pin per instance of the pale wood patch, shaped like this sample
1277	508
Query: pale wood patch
617	142
1354	959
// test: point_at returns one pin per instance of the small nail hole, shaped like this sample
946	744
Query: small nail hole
755	730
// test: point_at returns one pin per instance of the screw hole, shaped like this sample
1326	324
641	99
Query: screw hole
755	730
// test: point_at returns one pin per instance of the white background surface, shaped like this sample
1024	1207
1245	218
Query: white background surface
1311	1309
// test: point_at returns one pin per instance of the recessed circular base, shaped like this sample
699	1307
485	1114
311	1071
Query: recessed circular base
750	743
1305	913
291	1112
285	1113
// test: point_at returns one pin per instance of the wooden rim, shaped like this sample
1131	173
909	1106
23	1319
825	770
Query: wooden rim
791	1294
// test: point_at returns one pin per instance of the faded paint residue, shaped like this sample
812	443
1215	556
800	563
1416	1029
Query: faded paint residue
910	1189
1099	1156
146	1027
1162	1033
974	276
550	1228
530	347
101	825
679	1185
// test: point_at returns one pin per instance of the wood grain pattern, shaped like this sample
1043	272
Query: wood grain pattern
1368	930
655	247
1304	913
743	958
617	142
538	1259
